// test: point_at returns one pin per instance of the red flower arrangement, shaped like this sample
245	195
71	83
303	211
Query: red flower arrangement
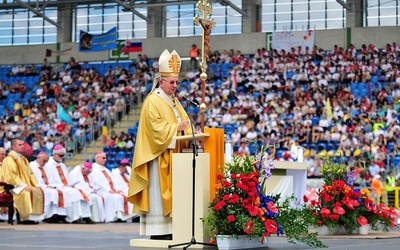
241	207
340	204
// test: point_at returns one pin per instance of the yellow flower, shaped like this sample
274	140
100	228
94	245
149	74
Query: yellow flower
365	192
217	187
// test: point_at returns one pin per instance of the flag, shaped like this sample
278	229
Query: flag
328	108
50	53
131	46
63	115
90	43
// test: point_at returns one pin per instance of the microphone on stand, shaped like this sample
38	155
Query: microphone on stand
190	101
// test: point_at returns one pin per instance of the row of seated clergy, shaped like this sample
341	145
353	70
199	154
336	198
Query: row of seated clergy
80	194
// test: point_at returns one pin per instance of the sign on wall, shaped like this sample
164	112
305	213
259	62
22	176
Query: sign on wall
286	40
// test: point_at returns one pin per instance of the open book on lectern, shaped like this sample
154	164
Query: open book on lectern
199	136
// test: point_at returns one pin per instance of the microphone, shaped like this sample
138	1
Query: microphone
190	101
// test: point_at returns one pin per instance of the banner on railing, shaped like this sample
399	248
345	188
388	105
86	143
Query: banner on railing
92	43
286	40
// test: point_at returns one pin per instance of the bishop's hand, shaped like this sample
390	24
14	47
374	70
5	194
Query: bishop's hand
183	125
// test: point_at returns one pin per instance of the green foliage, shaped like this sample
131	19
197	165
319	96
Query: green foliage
295	223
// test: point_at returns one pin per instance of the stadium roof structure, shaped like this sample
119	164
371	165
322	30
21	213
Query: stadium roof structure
38	6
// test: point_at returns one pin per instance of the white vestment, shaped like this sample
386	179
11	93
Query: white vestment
51	195
75	200
154	222
88	186
112	195
122	179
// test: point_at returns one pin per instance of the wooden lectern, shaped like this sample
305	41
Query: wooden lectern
182	198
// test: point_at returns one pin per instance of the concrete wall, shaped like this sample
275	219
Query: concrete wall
246	43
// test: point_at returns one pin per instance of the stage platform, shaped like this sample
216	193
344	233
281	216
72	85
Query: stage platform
117	236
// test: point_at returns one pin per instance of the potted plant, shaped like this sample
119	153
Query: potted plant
241	208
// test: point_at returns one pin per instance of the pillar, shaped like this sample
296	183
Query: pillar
252	21
355	17
64	32
156	16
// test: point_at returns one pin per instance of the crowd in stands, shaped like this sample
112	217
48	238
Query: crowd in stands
283	98
336	102
29	98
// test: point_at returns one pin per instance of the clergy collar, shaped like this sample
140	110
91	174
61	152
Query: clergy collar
17	155
160	91
100	166
58	162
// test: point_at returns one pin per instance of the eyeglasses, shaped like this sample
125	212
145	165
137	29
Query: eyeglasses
171	82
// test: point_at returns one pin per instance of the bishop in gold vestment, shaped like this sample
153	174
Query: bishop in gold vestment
162	117
28	198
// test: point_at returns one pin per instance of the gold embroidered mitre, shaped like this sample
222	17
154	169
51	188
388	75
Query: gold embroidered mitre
169	63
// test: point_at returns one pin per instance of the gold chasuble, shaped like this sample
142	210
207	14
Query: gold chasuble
16	171
157	125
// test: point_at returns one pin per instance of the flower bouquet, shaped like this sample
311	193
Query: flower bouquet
339	204
241	207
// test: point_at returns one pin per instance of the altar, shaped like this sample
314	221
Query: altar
288	178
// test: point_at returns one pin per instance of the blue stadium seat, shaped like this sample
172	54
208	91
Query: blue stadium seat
119	156
133	130
252	148
330	146
322	146
315	121
229	129
279	153
390	147
129	156
396	161
313	146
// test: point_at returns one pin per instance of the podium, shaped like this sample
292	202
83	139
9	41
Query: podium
182	199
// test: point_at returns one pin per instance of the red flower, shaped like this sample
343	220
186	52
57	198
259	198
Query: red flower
234	199
315	203
334	217
339	210
226	184
305	198
271	207
219	205
325	212
253	210
271	226
327	198
226	197
234	176
220	177
231	218
368	204
362	220
350	203
248	227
